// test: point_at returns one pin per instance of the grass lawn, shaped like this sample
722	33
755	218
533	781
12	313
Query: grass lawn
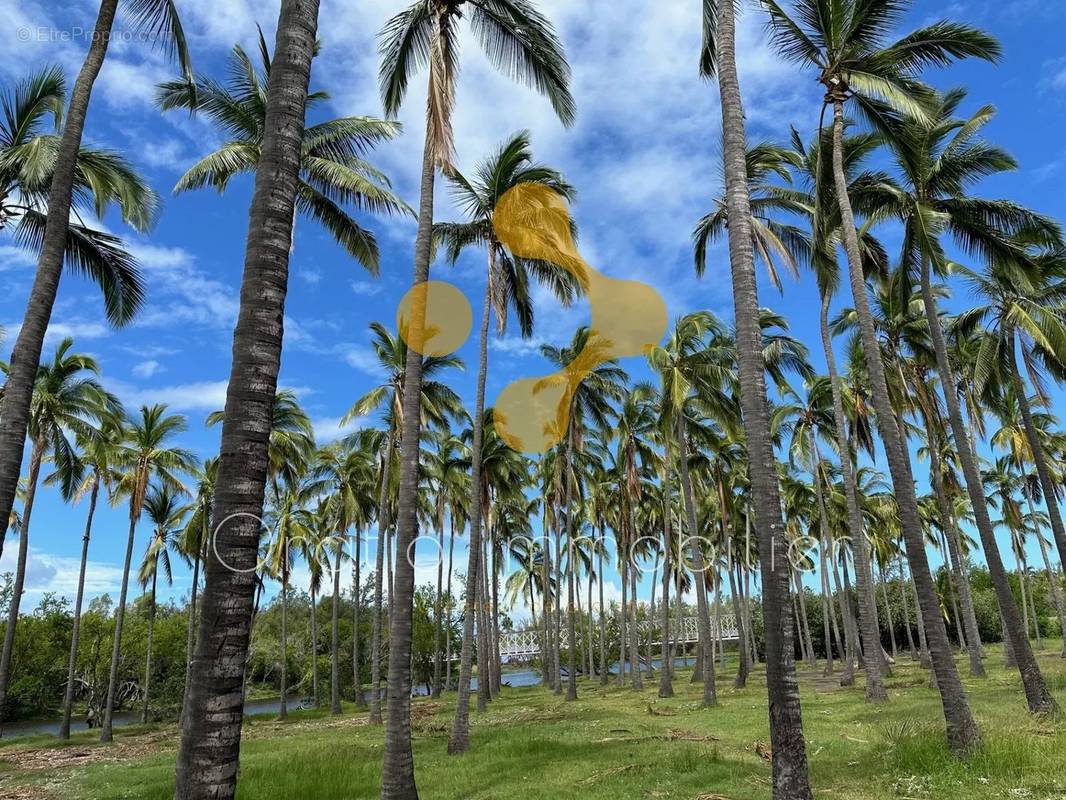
612	743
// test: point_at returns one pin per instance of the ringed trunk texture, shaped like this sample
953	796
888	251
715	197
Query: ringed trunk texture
148	653
116	645
710	693
379	582
26	354
1036	692
791	779
962	731
869	627
398	771
459	742
335	667
209	752
68	694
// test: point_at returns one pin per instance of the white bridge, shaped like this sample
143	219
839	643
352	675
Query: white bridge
526	643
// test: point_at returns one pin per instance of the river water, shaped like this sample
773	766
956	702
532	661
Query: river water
268	706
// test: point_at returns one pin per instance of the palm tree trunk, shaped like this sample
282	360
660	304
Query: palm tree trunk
459	742
357	596
315	701
1052	577
903	583
190	628
962	730
210	741
26	354
870	630
283	707
637	678
1036	691
743	656
558	620
546	612
888	616
68	694
602	617
448	617
398	771
148	649
623	562
571	555
666	672
497	662
438	623
962	584
335	644
805	620
484	669
379	581
710	693
589	647
116	644
790	777
491	690
36	455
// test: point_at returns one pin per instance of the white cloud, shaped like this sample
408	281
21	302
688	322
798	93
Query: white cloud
196	396
13	257
46	572
366	288
363	359
146	369
329	429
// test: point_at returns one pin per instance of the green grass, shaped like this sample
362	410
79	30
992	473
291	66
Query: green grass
613	743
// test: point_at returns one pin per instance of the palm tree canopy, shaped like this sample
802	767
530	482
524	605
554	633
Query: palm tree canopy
334	173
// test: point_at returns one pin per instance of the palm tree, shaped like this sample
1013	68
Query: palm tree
116	276
294	529
1019	311
167	515
98	448
193	544
145	455
213	705
507	286
589	403
846	41
437	404
790	773
333	171
939	157
521	42
66	397
815	167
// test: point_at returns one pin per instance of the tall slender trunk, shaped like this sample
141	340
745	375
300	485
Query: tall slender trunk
148	650
571	556
211	734
68	694
378	618
283	708
357	596
805	621
710	693
26	354
36	455
1036	447
497	664
486	619
666	673
962	730
743	655
438	613
335	644
790	777
637	678
965	618
190	627
869	626
558	621
888	617
459	741
1052	577
398	771
106	733
484	669
602	617
448	617
546	610
623	622
589	646
903	584
1036	691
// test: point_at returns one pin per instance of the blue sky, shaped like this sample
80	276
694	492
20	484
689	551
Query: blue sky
644	156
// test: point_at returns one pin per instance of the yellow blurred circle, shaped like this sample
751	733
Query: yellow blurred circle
434	318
